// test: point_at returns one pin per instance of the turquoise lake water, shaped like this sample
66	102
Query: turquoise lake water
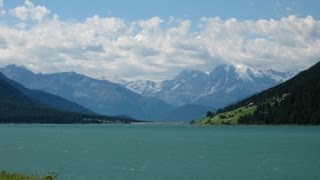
162	152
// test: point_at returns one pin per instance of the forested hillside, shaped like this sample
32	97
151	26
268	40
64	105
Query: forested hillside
296	101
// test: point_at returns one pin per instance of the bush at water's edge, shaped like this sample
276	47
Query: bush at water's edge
14	176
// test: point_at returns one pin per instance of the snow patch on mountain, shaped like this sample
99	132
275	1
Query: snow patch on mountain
230	89
279	76
142	86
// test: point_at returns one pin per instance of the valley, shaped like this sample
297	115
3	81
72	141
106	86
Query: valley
186	97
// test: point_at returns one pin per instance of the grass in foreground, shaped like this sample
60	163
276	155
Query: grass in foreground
18	176
230	117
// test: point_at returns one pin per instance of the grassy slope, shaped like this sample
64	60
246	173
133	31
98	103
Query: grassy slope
230	117
17	176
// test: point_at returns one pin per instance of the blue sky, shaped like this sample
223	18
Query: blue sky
190	9
144	39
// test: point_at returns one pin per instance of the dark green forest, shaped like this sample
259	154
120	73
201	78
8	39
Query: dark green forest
296	101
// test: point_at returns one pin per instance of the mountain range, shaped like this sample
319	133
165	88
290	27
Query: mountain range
100	96
168	100
225	84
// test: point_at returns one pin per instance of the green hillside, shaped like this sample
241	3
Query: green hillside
230	117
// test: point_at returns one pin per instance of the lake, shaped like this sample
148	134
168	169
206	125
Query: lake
162	152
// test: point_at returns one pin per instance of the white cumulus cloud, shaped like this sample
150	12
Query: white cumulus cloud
31	12
156	48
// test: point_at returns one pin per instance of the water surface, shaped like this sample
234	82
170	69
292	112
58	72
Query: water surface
170	152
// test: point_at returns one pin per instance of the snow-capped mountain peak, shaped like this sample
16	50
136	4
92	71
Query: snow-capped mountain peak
243	72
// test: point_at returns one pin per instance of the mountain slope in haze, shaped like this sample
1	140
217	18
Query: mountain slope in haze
17	107
225	84
44	98
187	113
98	95
296	101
